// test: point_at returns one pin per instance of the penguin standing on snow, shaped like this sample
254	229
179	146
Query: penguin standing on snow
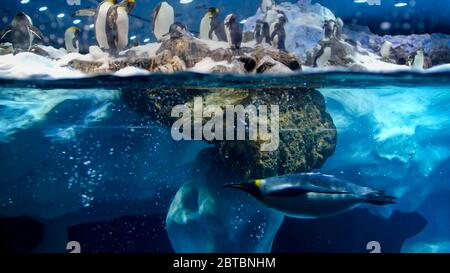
322	57
311	195
163	18
262	32
22	33
117	26
211	28
100	17
233	32
417	60
278	37
72	39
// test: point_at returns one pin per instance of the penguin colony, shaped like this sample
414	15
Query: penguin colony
111	23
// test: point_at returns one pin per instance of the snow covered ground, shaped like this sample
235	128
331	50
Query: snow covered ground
304	31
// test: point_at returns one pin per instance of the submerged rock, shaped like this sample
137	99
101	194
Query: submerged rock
307	134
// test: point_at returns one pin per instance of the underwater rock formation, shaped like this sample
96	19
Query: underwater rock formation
307	132
205	217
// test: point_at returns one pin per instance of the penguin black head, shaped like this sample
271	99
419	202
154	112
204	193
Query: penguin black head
214	12
129	4
21	18
283	20
252	187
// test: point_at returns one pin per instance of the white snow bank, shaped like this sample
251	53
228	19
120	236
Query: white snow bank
147	50
131	71
207	64
26	65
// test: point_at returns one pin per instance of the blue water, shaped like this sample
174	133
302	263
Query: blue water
73	152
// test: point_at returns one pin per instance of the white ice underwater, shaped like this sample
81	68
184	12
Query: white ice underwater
401	144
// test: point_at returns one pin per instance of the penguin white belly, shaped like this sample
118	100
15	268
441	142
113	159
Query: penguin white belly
325	58
272	28
164	19
68	38
31	35
275	41
205	27
313	205
100	25
122	29
385	50
418	62
228	33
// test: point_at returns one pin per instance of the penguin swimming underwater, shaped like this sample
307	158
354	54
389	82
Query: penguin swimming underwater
163	18
117	25
417	60
322	57
72	39
211	28
262	32
22	33
278	36
233	32
311	195
100	16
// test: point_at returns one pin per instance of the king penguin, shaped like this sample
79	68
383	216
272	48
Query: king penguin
311	195
100	16
417	60
117	25
22	33
163	18
211	28
72	39
233	32
322	57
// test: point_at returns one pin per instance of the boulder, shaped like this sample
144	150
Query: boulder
307	135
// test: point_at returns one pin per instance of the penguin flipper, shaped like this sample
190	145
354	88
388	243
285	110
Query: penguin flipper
36	32
111	30
85	13
74	42
5	32
294	191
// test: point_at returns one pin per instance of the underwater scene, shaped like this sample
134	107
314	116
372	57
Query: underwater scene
202	126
